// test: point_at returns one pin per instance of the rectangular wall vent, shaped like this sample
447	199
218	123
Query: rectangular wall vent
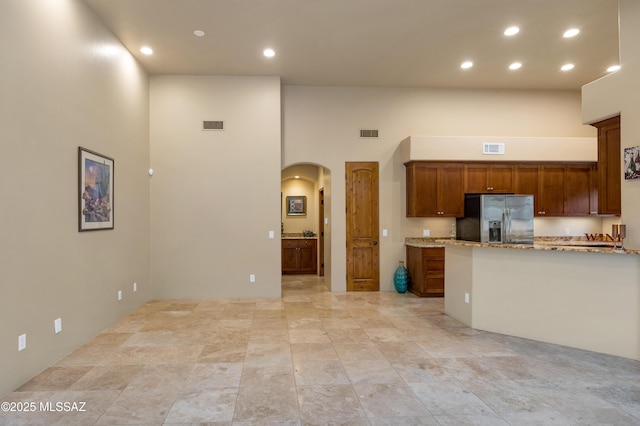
369	133
213	125
493	148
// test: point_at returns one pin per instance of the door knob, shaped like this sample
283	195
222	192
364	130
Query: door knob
375	243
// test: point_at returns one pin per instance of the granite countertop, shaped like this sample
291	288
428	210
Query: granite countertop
297	236
574	244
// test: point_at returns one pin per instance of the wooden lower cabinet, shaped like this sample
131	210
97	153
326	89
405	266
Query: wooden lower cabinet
299	256
426	270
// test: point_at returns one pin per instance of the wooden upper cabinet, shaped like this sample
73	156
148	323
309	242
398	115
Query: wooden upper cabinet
527	182
422	187
434	189
559	189
450	190
489	178
609	169
551	191
579	199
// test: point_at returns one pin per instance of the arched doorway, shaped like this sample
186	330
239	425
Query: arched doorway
308	186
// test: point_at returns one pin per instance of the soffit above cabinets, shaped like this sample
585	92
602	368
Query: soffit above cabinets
470	148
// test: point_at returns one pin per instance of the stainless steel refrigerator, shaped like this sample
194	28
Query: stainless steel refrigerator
496	218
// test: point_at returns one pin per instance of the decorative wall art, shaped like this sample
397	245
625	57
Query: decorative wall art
95	200
296	205
632	162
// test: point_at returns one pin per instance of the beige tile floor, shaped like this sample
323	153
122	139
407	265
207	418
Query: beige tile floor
320	358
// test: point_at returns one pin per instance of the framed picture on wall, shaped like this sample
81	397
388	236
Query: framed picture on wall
296	205
632	163
95	191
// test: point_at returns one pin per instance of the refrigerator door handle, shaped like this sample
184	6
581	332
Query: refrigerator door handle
507	226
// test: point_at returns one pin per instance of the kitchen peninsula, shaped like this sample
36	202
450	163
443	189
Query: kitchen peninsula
583	297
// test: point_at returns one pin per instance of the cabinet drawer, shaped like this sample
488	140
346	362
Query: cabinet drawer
292	243
289	243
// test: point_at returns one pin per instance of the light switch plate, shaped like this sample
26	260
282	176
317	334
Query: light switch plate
57	325
385	232
272	235
22	342
119	294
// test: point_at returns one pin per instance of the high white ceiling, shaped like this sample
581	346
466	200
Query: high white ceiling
389	43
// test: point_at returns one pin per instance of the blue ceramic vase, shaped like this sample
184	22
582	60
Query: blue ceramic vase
401	278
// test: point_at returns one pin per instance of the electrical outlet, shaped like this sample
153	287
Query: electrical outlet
57	325
119	294
252	278
135	287
466	298
426	233
22	342
567	231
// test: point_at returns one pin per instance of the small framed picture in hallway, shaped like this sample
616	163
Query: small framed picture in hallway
296	205
95	191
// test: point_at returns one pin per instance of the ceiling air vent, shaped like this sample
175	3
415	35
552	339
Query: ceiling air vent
213	125
368	133
493	148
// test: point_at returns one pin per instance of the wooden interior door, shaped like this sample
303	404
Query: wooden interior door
363	251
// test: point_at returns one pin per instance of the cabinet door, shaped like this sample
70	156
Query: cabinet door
527	182
609	169
451	190
501	178
578	181
476	178
307	253
551	191
289	257
487	178
422	190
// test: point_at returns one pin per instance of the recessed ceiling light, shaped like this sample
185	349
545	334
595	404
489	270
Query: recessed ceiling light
269	53
466	65
511	31
198	33
515	66
571	33
146	50
297	177
613	68
567	67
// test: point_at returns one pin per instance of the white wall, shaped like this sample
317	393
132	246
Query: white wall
618	94
321	126
215	195
66	82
